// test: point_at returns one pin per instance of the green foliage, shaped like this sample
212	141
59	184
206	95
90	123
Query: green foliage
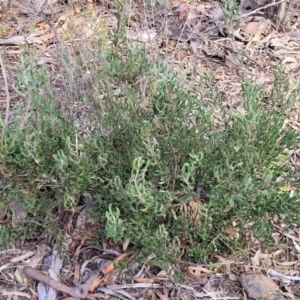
231	11
114	225
41	164
159	143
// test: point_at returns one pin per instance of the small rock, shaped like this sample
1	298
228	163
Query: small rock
260	287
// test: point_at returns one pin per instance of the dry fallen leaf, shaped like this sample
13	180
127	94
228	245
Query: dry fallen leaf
183	12
125	244
251	28
232	277
141	36
232	232
280	41
162	275
142	280
30	39
197	273
76	273
161	296
42	3
15	293
288	263
111	267
263	78
194	45
95	284
216	14
22	257
263	27
258	256
224	261
296	246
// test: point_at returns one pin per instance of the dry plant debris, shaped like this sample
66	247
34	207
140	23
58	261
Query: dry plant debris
80	291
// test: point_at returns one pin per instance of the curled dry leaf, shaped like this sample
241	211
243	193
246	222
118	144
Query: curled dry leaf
296	246
111	267
197	273
162	275
143	280
224	261
161	296
258	256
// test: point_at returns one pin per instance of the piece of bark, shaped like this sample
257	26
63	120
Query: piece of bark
45	292
3	211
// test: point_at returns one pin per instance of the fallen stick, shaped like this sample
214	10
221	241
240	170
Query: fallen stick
80	291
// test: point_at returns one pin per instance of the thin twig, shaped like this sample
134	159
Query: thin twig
245	15
286	12
7	95
26	114
76	291
260	8
174	175
40	11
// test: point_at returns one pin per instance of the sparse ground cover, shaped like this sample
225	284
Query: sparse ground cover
168	132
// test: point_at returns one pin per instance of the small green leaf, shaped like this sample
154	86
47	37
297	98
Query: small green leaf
237	148
231	201
31	29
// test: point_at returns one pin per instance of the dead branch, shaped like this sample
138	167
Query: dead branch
76	292
7	94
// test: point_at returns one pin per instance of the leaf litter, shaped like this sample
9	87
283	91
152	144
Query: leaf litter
193	36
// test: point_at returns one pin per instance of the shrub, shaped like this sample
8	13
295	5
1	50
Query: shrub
141	151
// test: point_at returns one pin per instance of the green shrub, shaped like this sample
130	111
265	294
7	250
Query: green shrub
147	150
